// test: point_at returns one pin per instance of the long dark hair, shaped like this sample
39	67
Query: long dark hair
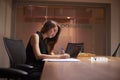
50	42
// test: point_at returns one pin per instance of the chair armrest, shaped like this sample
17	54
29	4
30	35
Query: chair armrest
24	67
12	73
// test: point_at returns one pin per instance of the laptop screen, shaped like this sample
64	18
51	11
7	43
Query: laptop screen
74	48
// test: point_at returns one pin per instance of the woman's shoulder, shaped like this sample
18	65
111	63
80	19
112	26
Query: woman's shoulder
34	36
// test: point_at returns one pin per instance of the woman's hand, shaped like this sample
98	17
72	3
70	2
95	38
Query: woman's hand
63	56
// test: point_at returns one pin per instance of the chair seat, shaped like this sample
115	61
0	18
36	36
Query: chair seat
12	73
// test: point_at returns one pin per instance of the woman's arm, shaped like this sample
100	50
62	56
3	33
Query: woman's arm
35	44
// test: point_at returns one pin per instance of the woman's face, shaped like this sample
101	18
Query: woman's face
52	32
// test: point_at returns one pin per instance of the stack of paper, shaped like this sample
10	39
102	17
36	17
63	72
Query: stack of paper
62	60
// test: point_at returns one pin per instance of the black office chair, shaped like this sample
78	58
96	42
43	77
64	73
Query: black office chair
17	56
12	73
115	52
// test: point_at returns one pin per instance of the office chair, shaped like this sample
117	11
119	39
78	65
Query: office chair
17	56
12	73
115	52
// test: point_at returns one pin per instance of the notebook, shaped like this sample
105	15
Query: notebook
73	49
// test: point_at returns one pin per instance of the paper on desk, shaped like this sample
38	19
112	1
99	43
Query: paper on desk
62	60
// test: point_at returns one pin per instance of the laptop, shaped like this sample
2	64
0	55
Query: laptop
73	49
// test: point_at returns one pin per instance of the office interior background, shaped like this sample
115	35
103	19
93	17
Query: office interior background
96	23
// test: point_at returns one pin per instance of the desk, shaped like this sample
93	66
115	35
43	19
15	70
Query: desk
83	70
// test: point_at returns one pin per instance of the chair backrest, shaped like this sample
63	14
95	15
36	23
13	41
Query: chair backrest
74	48
115	52
16	51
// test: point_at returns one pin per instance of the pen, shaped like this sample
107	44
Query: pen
62	50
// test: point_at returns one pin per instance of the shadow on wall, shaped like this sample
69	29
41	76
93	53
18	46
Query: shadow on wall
4	60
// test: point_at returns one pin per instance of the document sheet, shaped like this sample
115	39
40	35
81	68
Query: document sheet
62	60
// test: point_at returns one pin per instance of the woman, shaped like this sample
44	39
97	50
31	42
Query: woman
41	45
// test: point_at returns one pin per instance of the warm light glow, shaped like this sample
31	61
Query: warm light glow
46	17
68	17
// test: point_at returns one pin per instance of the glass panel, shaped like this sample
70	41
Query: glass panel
80	24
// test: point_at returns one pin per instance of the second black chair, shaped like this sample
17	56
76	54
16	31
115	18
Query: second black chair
116	50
